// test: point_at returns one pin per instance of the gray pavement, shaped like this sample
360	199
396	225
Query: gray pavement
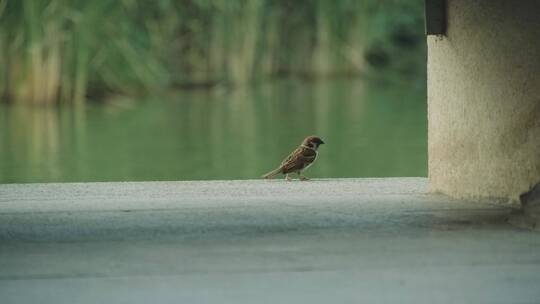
323	241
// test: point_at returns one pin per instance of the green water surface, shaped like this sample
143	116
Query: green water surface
371	129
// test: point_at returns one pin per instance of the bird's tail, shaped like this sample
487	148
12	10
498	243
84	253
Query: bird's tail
272	173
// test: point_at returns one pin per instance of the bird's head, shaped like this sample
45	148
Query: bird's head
313	142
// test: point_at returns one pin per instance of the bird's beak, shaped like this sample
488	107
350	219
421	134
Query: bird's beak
322	142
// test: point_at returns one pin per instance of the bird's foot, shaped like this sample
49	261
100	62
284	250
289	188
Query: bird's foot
304	178
288	178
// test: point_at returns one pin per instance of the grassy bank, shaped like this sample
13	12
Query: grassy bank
69	51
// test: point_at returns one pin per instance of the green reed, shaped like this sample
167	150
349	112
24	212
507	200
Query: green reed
69	51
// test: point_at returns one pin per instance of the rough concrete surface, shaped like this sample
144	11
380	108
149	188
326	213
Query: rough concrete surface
323	241
529	215
483	100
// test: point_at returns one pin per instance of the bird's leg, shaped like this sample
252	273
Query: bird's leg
287	177
302	177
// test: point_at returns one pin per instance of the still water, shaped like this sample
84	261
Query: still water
371	129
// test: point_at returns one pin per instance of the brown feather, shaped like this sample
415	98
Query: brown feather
298	160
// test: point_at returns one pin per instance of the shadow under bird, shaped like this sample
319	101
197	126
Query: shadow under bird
299	160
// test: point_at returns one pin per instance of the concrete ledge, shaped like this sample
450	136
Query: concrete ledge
324	241
200	209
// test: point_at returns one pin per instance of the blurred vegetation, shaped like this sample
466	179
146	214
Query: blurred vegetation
69	51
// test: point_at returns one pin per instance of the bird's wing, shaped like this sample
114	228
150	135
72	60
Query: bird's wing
298	160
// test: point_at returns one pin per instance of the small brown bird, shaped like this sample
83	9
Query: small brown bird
300	159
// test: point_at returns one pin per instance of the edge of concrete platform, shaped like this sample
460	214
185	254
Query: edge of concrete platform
35	197
202	209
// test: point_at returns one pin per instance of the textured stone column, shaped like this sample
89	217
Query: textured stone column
484	100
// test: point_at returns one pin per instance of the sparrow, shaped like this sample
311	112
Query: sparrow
299	160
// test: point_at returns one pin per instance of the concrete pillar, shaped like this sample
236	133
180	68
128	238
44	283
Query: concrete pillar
484	100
